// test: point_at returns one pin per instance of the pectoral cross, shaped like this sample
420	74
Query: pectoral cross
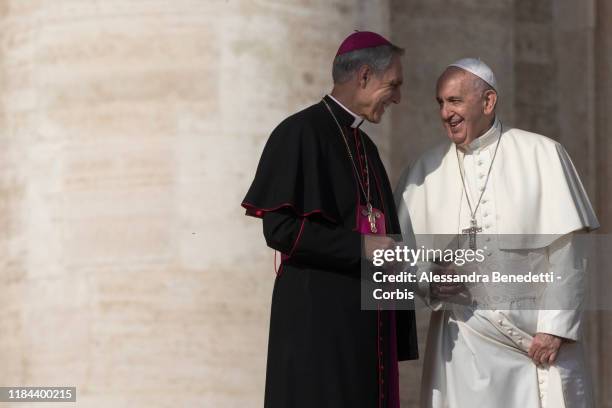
372	216
474	228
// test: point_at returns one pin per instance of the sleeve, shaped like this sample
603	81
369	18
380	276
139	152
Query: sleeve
580	199
423	288
312	240
402	209
560	313
293	172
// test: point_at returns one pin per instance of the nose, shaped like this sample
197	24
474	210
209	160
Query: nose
397	96
445	112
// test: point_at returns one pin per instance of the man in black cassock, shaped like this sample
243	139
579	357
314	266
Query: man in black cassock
320	189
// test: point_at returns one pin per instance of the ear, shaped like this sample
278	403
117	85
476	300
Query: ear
363	75
490	100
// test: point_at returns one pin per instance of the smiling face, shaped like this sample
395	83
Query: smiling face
466	108
378	91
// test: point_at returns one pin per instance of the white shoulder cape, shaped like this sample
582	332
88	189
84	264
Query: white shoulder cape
537	192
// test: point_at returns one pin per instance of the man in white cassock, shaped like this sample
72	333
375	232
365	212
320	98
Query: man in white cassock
517	194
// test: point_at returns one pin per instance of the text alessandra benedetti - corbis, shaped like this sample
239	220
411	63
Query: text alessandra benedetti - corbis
472	277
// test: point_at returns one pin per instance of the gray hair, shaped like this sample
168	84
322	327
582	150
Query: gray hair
377	58
481	86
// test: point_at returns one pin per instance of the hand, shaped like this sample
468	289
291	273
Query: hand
544	348
374	242
445	291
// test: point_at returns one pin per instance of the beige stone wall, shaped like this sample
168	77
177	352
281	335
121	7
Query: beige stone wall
130	131
601	327
436	33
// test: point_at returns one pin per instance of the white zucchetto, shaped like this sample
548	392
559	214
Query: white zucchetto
478	68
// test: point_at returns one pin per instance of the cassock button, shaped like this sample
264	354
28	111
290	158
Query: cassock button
501	322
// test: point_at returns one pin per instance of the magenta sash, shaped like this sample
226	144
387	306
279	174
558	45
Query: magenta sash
392	371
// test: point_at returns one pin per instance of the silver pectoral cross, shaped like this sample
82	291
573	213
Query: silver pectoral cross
474	228
372	216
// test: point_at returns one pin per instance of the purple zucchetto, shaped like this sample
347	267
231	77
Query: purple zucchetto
360	40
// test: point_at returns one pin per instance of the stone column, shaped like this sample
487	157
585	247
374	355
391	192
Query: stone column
130	131
602	357
435	34
536	70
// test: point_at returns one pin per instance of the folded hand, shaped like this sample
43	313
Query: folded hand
544	348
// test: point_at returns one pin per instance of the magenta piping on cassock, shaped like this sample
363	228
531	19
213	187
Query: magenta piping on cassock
258	212
394	401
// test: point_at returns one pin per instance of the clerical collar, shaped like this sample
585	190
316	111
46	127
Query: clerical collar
487	139
353	120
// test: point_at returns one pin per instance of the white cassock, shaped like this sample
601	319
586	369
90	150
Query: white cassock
531	205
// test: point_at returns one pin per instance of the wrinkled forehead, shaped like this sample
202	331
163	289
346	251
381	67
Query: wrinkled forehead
455	80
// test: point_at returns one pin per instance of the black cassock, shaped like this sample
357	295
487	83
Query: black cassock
323	350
